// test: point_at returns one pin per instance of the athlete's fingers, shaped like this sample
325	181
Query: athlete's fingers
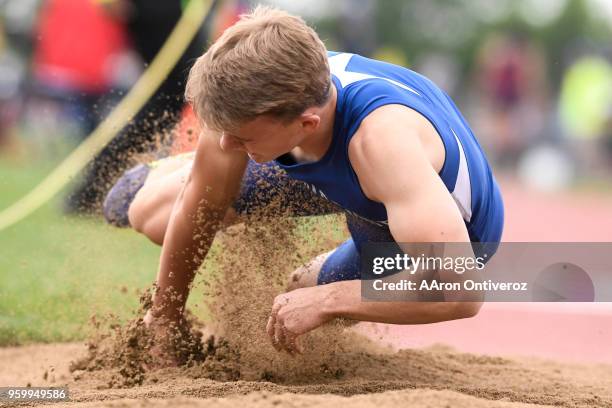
278	340
276	345
285	338
271	329
273	322
274	339
279	302
286	342
298	345
291	343
270	326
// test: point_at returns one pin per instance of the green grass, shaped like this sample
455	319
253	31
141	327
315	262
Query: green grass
56	271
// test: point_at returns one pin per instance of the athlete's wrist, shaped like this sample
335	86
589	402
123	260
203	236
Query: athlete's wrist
337	299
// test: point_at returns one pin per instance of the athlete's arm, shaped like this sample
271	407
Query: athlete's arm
393	168
197	215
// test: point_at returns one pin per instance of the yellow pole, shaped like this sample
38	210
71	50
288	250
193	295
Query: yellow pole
182	34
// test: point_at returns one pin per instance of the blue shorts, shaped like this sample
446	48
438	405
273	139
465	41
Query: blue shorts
267	190
342	264
267	186
267	183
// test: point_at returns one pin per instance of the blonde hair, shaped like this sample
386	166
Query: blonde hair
269	62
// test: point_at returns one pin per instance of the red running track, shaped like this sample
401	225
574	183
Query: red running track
579	332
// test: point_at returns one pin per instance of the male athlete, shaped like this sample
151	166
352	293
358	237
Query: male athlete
381	142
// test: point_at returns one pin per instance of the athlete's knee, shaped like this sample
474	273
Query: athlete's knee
138	212
308	274
149	216
296	279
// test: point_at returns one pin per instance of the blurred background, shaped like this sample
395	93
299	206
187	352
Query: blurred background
532	77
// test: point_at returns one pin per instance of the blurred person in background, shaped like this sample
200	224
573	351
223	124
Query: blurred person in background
77	42
585	110
512	96
149	24
11	79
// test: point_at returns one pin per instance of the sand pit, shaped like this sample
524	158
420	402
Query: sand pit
239	366
435	377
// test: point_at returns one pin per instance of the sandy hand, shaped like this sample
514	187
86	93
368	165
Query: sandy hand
295	313
174	343
160	350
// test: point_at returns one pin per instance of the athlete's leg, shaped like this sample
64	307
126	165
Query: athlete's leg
151	208
333	266
344	262
144	196
307	275
121	196
340	264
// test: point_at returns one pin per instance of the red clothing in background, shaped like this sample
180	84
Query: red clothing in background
75	42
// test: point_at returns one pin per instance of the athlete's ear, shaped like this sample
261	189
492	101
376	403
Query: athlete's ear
309	121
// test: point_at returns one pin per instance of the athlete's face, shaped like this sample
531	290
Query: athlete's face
266	138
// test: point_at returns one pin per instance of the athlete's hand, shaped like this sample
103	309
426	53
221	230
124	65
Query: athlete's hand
295	313
161	335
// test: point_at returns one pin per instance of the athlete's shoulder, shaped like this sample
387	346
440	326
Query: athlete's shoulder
387	142
352	70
